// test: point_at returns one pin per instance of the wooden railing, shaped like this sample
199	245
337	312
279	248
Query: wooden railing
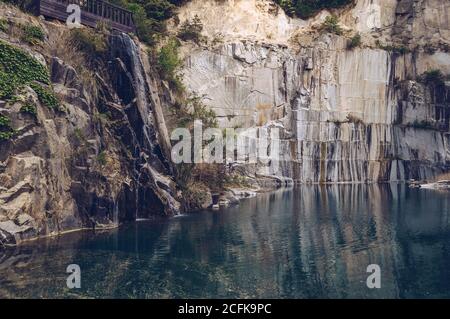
92	12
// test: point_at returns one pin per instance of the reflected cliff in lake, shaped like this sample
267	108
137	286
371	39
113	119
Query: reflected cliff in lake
309	242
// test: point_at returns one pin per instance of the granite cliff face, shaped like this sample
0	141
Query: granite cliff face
349	115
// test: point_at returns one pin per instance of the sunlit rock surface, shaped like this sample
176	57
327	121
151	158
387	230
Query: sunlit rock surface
348	115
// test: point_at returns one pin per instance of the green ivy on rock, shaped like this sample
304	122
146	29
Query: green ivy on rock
28	108
6	131
45	96
18	68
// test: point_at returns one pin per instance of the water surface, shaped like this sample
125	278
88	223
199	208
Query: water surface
309	242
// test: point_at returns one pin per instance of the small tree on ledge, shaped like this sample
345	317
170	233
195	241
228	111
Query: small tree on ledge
191	30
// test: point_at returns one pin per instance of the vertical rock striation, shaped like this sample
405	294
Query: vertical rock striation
349	115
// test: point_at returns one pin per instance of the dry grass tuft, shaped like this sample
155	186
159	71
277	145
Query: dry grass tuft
63	46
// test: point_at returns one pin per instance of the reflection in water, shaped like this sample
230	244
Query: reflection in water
310	242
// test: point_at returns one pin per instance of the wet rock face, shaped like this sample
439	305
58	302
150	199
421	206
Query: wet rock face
146	189
156	189
76	168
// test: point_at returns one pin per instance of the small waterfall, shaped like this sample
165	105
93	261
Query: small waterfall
116	213
154	192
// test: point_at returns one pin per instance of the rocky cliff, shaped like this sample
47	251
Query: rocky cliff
375	109
350	114
98	157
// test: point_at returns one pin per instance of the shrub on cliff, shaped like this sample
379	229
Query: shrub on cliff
433	78
191	30
307	8
150	16
394	48
196	181
28	108
45	96
194	109
331	25
4	26
354	42
32	34
168	62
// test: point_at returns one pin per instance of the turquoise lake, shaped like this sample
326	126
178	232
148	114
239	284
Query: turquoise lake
306	242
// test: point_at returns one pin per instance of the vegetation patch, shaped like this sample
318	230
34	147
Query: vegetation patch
194	110
236	180
101	158
331	25
400	49
150	16
45	96
4	136
7	86
6	131
4	121
191	30
32	34
17	69
28	108
4	26
168	63
194	195
355	41
433	78
424	124
15	99
196	180
307	8
90	41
